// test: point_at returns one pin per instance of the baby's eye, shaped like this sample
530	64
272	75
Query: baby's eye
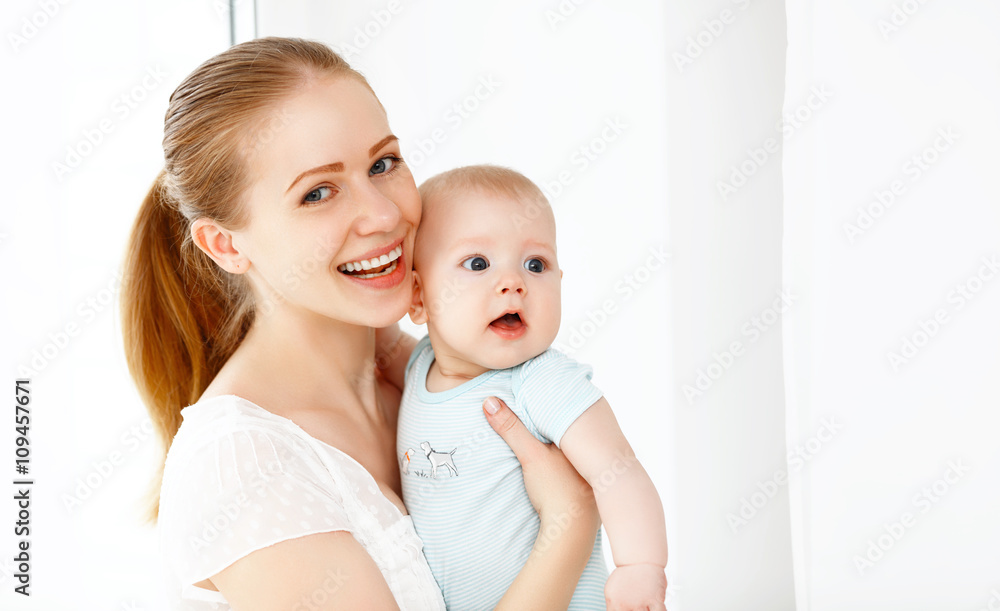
382	166
476	264
316	195
534	265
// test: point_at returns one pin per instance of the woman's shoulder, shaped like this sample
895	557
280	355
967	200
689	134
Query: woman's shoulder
229	448
238	478
233	432
218	406
221	415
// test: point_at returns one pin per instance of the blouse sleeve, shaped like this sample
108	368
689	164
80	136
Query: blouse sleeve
227	494
554	390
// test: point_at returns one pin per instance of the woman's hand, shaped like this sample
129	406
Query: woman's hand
567	509
553	484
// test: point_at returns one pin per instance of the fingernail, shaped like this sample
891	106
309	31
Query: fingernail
492	405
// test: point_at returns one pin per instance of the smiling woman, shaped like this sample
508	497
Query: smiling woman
267	268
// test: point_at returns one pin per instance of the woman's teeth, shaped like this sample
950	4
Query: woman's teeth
377	266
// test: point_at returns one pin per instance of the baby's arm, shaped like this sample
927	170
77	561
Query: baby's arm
629	506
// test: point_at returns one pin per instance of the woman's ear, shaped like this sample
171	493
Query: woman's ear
217	243
418	313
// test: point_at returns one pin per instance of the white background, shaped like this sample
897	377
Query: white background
700	92
907	428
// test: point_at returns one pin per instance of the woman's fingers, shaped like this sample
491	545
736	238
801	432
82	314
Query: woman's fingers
509	426
553	484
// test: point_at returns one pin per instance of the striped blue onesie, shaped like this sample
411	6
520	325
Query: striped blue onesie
462	484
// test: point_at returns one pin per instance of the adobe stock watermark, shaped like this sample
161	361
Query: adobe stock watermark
608	477
898	17
562	12
385	354
923	501
86	312
624	289
367	32
454	117
318	259
581	159
551	531
915	168
223	7
446	296
752	330
713	29
766	490
333	580
230	509
928	328
33	24
264	133
101	470
757	157
993	604
672	590
93	137
7	570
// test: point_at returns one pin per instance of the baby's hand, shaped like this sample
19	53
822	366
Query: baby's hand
636	587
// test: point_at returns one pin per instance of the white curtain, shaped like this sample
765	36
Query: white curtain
892	244
732	548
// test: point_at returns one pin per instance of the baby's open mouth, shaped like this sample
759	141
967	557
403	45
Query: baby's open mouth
508	322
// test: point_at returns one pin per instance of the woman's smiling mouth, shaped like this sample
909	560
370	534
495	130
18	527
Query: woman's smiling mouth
374	267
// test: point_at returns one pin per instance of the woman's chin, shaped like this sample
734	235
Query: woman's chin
386	315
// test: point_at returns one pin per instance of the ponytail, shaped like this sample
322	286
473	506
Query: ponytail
182	315
181	318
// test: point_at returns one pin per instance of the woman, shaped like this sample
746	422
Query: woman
274	244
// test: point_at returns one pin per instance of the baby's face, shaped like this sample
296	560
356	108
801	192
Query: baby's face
489	277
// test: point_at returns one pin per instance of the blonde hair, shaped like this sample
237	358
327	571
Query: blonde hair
492	179
182	315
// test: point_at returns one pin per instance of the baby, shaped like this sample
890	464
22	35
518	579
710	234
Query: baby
487	283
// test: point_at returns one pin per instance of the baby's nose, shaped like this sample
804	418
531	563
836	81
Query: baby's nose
511	282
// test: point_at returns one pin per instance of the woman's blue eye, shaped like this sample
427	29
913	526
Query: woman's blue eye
534	265
383	166
476	264
315	196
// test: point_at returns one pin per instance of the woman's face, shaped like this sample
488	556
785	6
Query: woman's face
331	194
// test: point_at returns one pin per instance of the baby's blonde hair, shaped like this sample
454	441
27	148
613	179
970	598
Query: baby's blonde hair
491	179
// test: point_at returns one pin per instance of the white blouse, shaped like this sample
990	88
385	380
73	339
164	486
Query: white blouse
239	478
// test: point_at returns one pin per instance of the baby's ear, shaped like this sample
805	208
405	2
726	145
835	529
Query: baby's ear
418	314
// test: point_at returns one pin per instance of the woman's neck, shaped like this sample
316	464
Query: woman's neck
310	356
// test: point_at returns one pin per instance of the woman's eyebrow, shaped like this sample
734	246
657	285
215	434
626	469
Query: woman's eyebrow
381	143
339	166
330	167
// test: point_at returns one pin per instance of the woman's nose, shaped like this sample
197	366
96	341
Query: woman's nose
376	212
